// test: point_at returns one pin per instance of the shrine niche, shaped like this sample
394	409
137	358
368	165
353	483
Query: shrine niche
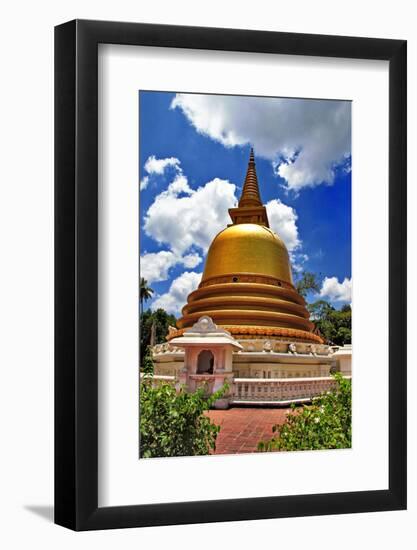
205	362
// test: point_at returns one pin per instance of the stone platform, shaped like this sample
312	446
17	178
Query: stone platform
256	371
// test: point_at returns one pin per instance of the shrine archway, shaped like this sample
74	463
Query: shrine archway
205	362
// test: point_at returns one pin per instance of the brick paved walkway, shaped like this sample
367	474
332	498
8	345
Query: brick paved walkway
243	427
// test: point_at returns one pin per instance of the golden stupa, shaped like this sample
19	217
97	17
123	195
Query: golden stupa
247	286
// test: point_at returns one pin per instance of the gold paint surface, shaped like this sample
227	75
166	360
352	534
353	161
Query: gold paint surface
248	248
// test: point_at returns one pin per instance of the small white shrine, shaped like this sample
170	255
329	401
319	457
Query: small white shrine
208	361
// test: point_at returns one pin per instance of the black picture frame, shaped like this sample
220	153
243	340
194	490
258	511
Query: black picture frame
76	272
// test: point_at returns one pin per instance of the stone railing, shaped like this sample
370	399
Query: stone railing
279	390
258	390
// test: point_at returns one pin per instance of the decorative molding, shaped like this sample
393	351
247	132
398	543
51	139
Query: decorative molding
255	278
245	331
205	325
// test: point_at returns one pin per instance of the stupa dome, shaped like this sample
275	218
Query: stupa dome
247	248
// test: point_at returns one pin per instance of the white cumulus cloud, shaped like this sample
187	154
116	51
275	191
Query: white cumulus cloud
158	166
283	220
176	297
304	139
337	292
181	217
155	266
191	260
144	183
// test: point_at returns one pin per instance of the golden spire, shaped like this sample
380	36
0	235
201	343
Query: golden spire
250	208
250	193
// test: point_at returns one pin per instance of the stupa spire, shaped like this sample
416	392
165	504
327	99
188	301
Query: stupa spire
250	192
250	208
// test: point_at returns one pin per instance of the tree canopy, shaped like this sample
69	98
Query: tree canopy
145	292
161	321
307	281
334	325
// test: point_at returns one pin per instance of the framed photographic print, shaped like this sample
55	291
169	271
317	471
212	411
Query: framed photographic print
230	275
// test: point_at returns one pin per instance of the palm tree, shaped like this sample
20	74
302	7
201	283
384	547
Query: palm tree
145	292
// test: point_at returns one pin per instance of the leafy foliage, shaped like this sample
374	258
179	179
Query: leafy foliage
307	282
334	325
145	291
162	320
147	363
174	424
325	424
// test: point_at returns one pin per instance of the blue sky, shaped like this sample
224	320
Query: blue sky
193	154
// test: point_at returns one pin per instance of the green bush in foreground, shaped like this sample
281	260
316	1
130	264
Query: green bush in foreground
174	424
325	424
148	366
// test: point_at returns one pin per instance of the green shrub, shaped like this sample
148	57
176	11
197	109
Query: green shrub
325	424
173	423
147	363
